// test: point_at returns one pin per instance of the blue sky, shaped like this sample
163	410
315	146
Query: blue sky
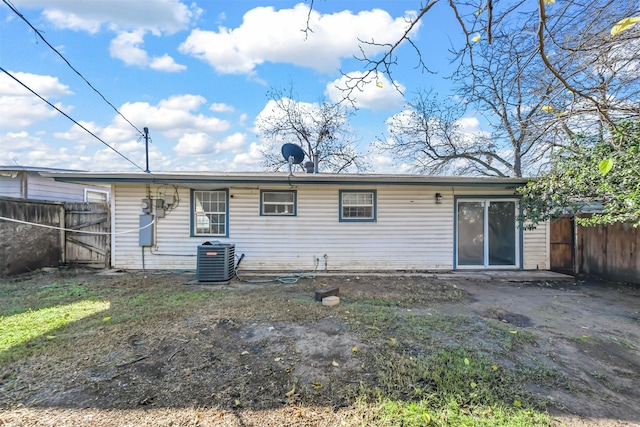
197	75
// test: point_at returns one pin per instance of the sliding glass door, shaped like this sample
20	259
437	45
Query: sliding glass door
486	232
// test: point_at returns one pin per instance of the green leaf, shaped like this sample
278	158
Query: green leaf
605	166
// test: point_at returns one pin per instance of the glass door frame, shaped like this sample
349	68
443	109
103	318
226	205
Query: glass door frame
518	233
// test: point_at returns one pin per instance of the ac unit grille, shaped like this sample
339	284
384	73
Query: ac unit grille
215	262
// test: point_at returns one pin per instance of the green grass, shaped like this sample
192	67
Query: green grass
20	328
387	412
451	386
514	339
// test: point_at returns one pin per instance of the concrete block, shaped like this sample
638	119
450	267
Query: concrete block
327	292
330	301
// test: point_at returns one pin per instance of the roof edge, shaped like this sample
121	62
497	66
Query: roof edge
231	178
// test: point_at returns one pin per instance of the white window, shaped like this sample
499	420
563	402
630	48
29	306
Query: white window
357	205
278	202
96	196
210	213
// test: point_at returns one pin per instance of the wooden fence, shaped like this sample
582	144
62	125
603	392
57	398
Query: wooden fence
611	252
59	238
90	241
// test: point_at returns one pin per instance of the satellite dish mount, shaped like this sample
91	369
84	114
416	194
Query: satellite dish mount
293	154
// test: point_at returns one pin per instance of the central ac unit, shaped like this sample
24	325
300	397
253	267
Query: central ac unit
215	262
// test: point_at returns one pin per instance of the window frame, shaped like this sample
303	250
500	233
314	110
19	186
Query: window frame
374	206
262	203
192	212
96	191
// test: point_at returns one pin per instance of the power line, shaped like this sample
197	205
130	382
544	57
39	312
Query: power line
70	118
68	63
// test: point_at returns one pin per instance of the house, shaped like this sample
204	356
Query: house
332	222
26	182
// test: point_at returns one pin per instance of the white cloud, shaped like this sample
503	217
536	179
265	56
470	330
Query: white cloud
26	150
127	46
157	16
78	135
177	118
166	63
71	21
18	140
275	36
19	108
469	124
375	92
19	112
233	143
46	86
185	102
201	143
130	20
249	160
173	120
195	143
221	108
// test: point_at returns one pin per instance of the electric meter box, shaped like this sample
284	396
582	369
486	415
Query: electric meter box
146	230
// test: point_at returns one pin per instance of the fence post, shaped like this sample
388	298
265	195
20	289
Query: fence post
63	235
576	246
107	248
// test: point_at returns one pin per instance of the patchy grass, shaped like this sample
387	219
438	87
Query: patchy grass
452	386
584	339
195	346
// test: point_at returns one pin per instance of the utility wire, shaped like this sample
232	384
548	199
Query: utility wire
69	64
69	117
99	233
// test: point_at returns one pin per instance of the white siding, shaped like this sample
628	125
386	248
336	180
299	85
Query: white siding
9	187
412	232
174	249
536	248
40	188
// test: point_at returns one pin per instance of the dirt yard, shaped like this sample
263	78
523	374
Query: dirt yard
170	352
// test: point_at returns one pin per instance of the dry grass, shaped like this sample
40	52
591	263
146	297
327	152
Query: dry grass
171	353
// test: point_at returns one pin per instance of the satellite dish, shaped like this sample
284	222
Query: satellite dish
292	153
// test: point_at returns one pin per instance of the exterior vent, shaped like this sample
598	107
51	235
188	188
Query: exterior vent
215	262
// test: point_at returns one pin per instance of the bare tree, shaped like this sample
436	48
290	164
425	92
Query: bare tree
597	67
569	42
428	135
537	91
320	129
508	92
512	93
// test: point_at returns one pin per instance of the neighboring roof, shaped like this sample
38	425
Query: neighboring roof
230	178
16	168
